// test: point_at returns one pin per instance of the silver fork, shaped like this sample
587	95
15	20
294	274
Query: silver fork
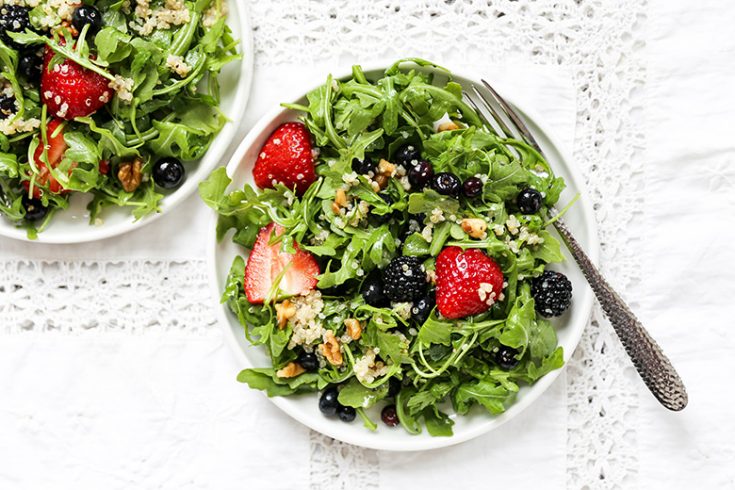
652	364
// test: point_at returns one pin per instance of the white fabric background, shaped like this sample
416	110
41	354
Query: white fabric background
113	372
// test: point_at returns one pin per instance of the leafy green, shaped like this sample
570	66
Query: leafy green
442	364
169	114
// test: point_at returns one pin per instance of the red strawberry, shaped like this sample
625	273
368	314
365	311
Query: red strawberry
286	157
70	91
467	282
266	263
55	148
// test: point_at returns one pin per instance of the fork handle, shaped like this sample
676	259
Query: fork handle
652	364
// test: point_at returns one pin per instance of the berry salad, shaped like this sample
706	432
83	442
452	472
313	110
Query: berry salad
105	97
398	255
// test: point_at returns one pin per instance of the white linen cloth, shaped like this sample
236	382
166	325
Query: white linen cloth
687	245
162	410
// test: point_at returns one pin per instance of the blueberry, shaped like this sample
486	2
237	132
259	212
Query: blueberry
394	387
168	172
308	361
407	155
34	208
29	66
505	357
363	167
7	105
420	175
346	414
328	403
372	291
389	415
529	201
87	15
422	308
446	183
472	187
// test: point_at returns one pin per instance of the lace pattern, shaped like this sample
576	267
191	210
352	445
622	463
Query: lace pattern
599	41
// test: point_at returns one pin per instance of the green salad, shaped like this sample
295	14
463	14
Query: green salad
106	97
409	274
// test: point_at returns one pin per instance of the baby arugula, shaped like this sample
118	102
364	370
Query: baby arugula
168	115
441	363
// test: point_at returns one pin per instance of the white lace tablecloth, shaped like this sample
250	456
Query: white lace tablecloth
652	139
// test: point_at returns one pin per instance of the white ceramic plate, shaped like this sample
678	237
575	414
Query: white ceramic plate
72	224
304	407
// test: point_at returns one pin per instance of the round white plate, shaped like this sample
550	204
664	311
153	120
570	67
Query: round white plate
72	224
304	407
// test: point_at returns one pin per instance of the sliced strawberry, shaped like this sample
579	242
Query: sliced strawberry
55	148
286	157
467	282
70	91
267	262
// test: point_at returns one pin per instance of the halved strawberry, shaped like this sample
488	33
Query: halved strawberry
286	157
55	148
70	91
267	262
467	282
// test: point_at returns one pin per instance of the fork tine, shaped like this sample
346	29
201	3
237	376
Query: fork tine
498	120
480	113
513	116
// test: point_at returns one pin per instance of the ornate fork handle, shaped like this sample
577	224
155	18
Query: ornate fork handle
652	364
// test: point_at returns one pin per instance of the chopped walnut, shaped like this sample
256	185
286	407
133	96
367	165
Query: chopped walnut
382	181
474	227
386	168
290	370
130	174
284	312
447	126
354	329
340	200
331	349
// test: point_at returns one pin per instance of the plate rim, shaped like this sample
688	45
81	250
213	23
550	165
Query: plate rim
328	427
223	141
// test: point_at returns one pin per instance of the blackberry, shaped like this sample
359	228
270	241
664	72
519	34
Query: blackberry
13	18
505	357
529	201
407	155
404	279
552	293
29	65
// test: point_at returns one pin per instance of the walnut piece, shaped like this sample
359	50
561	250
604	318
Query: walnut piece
474	227
331	349
130	174
447	126
290	370
340	200
354	329
386	168
382	181
284	312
